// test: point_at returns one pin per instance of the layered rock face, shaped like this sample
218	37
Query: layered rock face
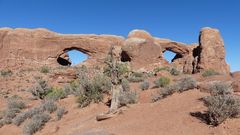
28	47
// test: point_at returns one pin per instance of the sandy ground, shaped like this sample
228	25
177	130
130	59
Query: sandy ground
170	116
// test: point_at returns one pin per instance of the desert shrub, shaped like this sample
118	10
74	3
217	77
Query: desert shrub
92	89
158	69
221	104
56	93
144	85
2	123
6	72
136	77
221	107
122	68
44	69
40	89
185	83
163	93
37	122
220	88
27	114
49	106
60	112
14	106
125	84
74	88
83	101
174	71
209	72
127	97
162	82
15	102
102	83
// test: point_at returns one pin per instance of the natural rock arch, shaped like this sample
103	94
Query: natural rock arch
64	59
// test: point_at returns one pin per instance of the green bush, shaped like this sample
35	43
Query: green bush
92	89
144	85
122	69
162	82
209	72
56	93
127	97
45	69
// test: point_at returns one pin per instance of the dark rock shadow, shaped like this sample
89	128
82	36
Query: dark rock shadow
202	116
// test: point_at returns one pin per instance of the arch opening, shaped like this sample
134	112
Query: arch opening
170	56
72	57
125	57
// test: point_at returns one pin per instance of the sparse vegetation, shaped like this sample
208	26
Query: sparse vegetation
158	69
56	93
92	89
60	112
221	104
37	122
125	84
14	106
128	97
174	71
49	106
162	82
40	89
183	84
45	69
144	85
136	77
209	72
27	114
6	72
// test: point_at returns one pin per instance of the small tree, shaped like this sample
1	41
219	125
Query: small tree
114	71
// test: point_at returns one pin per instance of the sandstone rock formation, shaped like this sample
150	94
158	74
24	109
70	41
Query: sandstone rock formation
19	47
212	52
28	47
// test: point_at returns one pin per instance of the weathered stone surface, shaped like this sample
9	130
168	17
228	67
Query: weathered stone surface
29	47
19	47
141	49
212	52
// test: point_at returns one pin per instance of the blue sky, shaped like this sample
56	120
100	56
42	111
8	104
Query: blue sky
179	20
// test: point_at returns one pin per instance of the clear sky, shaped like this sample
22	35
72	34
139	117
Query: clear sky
179	20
